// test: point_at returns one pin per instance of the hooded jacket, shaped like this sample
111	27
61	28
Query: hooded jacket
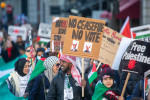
56	90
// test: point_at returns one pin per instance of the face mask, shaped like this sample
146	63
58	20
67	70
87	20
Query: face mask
38	57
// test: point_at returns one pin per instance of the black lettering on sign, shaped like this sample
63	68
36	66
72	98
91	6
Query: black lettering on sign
57	37
72	23
92	36
61	31
77	35
58	23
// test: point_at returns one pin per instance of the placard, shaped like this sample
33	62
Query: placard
140	52
44	32
84	35
15	31
109	47
146	84
59	27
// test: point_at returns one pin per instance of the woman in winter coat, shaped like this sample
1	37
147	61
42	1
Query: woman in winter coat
42	81
10	52
18	79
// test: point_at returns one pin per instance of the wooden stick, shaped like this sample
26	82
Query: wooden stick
125	84
91	61
42	44
82	76
98	65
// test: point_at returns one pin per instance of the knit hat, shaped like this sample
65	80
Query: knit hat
19	66
50	62
106	72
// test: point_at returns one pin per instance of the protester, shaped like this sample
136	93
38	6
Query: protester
138	90
42	81
10	52
20	44
39	52
33	60
104	86
67	83
18	79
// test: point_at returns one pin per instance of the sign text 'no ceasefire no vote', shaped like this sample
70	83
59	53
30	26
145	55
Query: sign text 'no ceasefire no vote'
83	37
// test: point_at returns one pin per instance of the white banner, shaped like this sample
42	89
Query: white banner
15	31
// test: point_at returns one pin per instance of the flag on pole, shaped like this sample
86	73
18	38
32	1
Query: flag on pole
93	74
125	30
39	68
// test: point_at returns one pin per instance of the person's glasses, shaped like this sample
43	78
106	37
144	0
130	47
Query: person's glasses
27	50
57	65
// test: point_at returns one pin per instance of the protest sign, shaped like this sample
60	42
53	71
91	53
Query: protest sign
59	27
83	37
140	52
145	37
110	44
146	83
44	32
1	36
15	31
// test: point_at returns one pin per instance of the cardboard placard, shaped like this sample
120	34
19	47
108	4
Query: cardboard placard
1	36
14	31
83	37
44	32
59	27
109	47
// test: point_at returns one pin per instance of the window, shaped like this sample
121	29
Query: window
54	10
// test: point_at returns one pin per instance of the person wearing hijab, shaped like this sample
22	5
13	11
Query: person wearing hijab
42	81
18	79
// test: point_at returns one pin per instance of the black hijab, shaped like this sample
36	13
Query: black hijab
19	66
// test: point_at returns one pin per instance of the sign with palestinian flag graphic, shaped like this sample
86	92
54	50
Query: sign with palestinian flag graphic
146	83
44	32
139	51
15	31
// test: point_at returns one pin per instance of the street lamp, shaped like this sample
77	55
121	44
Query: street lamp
3	5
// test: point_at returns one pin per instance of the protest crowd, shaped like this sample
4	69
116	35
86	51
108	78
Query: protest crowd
74	67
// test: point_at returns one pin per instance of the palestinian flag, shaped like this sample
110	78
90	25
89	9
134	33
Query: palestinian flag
93	74
5	93
39	68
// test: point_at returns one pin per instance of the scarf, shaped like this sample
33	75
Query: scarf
9	51
74	71
100	89
49	74
68	91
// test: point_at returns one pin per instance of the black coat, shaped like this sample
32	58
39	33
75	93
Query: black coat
14	53
56	90
37	92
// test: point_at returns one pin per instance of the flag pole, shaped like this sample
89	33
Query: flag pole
98	65
125	84
82	76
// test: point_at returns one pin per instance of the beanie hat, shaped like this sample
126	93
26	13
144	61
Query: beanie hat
50	62
106	72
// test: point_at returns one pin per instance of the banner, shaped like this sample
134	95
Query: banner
44	32
146	84
83	37
15	31
59	27
109	47
140	52
145	37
